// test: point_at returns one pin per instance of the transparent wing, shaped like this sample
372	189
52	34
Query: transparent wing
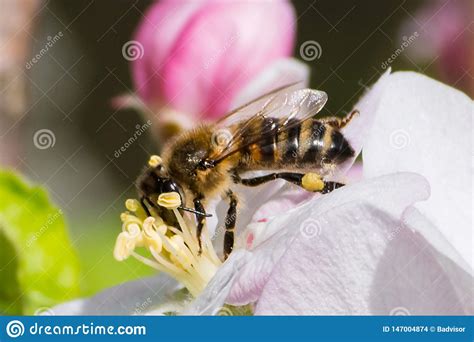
272	113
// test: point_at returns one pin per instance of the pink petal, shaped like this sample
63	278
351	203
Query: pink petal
161	25
391	194
220	49
279	73
355	173
424	126
443	37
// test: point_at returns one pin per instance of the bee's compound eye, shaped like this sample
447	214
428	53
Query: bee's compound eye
170	186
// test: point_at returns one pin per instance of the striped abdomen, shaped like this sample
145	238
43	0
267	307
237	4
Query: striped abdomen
311	144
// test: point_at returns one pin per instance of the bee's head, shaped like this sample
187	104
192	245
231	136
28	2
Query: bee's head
155	180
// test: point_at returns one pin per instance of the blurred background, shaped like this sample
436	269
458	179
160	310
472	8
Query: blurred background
68	93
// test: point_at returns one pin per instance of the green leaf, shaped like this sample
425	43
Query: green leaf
9	286
38	266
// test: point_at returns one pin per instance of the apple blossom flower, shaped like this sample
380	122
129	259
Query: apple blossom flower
398	241
200	59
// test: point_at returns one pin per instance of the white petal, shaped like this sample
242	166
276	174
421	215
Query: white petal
212	299
425	126
391	194
414	218
278	74
131	298
362	261
357	131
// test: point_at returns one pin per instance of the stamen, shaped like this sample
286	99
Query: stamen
173	250
155	161
169	200
132	205
124	246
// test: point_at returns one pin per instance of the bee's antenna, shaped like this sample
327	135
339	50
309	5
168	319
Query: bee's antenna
195	211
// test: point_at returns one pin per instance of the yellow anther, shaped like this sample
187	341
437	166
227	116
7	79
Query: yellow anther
123	217
124	246
132	228
126	217
151	238
170	200
132	204
312	182
155	161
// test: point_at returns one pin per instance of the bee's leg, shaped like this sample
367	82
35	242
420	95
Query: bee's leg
309	181
340	122
143	201
230	219
201	219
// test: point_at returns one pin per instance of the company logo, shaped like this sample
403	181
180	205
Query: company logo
15	328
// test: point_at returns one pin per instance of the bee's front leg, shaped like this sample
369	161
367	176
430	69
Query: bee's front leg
230	220
201	219
145	201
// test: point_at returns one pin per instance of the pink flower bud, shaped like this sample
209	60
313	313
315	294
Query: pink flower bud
198	55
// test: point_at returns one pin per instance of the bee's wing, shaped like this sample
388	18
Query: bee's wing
252	122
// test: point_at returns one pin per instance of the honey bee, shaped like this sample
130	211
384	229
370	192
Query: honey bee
277	131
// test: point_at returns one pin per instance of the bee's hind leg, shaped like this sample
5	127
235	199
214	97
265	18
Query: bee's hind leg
230	220
309	181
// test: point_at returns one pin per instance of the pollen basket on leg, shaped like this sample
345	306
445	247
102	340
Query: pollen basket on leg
173	250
